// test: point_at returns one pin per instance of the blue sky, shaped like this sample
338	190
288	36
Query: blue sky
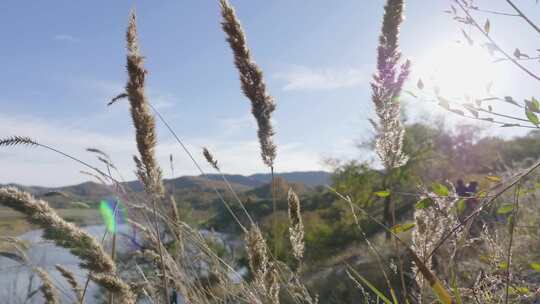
64	60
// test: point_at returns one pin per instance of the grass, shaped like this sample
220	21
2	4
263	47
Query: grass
176	257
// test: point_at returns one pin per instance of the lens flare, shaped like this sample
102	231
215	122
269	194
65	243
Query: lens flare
113	214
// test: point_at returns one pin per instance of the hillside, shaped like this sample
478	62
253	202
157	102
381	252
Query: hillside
193	189
308	178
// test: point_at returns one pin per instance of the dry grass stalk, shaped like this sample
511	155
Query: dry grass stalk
386	88
432	224
17	140
265	273
257	252
70	278
296	228
98	151
55	228
64	234
47	288
251	78
272	284
210	159
148	169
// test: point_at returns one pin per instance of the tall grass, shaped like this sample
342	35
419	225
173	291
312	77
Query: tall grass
177	259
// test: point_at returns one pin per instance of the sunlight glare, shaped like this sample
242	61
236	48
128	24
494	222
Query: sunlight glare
457	70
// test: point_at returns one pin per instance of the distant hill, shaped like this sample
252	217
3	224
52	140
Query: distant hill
190	188
308	178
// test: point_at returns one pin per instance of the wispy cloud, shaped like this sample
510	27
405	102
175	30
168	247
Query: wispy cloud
65	37
306	78
32	166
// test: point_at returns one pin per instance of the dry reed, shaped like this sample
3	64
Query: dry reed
145	127
257	253
70	278
148	169
210	159
47	288
251	78
296	228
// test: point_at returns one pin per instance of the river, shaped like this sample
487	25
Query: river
17	281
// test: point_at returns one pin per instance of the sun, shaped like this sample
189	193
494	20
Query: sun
457	70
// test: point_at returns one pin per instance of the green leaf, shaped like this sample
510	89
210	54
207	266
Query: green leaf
511	100
443	102
493	178
369	285
410	93
503	265
383	193
424	203
487	26
532	117
439	189
455	289
460	205
535	103
510	223
535	266
505	209
399	228
520	290
420	84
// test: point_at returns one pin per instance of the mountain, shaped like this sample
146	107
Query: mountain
238	179
197	189
308	178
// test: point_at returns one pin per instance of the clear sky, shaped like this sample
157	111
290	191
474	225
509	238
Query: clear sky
63	61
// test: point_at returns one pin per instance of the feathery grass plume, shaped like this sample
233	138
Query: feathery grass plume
47	288
386	88
148	170
257	253
297	289
431	225
251	78
296	229
70	278
272	284
19	247
64	234
265	273
98	151
210	159
17	140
